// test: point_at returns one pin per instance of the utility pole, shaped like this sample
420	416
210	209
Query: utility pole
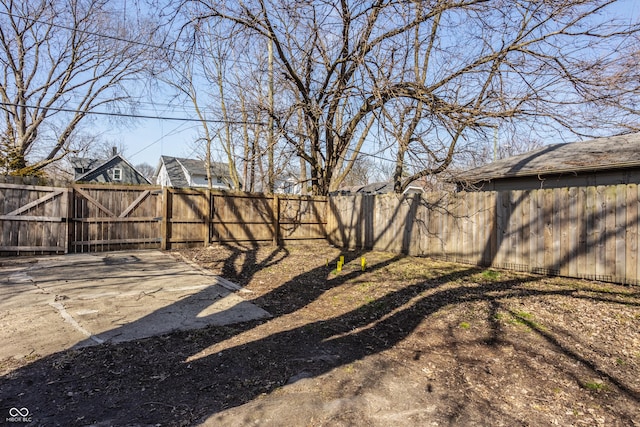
270	148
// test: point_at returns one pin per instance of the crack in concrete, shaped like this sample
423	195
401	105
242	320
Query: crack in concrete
69	319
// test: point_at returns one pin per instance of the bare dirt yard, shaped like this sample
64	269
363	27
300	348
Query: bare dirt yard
409	341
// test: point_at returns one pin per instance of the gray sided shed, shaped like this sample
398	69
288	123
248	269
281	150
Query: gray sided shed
602	161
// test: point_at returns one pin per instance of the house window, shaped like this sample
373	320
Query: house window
117	174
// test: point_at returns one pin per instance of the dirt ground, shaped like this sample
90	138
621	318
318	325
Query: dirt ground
409	341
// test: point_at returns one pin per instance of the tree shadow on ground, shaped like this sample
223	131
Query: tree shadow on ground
182	378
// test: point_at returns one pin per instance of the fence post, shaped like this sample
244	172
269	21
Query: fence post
276	220
165	228
69	223
207	214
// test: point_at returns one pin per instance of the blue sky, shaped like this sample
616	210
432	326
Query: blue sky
147	139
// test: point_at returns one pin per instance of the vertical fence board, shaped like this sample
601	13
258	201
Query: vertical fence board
515	221
525	241
440	225
564	255
468	219
621	230
591	203
556	227
501	227
610	231
571	249
599	231
540	228
432	225
548	229
578	215
475	224
449	232
537	230
490	204
631	237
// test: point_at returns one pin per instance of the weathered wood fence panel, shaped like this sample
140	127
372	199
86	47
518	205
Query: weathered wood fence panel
91	218
589	232
302	218
255	217
33	219
243	217
185	218
107	218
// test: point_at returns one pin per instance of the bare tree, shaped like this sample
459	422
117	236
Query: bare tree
200	67
146	170
443	71
362	172
251	133
62	60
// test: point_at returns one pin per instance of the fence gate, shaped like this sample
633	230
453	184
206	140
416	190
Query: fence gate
107	218
33	219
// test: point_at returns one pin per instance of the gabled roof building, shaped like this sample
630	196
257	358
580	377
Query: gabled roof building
114	170
602	161
184	173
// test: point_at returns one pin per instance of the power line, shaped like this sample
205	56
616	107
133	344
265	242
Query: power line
231	63
133	116
171	133
121	39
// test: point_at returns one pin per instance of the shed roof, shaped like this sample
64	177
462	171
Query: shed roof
616	152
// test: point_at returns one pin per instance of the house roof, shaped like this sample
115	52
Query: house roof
375	188
175	167
98	165
84	162
616	152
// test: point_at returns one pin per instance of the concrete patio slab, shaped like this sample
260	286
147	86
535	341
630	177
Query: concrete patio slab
48	304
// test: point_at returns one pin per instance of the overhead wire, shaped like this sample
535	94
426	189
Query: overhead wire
144	44
121	39
234	62
130	115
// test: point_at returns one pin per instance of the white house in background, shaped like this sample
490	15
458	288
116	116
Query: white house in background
288	185
184	173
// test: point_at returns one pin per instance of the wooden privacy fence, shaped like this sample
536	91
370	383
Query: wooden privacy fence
196	216
91	218
106	218
33	218
585	232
